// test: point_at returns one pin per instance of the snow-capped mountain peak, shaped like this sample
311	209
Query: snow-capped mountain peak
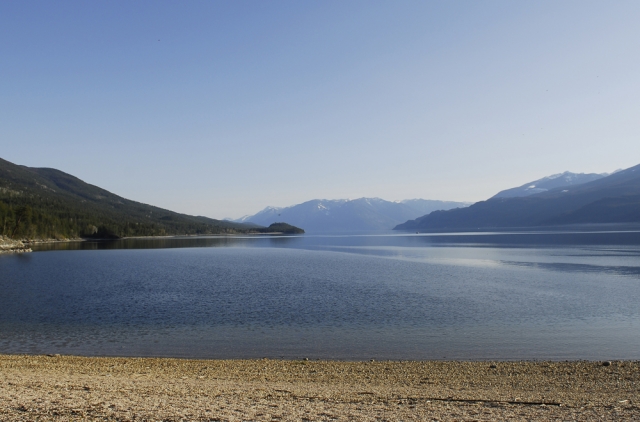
362	214
550	182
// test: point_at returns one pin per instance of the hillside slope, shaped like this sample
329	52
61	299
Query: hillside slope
612	199
562	180
48	203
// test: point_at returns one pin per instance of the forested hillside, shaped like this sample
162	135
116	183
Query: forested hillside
43	203
280	228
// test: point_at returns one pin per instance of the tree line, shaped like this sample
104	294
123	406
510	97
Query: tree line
38	218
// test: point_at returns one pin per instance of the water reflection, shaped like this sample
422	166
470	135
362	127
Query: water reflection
529	239
581	268
453	240
468	296
168	242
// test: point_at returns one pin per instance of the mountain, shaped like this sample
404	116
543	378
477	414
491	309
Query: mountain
48	203
611	199
548	183
341	215
425	206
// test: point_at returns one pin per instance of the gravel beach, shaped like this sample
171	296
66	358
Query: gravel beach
151	389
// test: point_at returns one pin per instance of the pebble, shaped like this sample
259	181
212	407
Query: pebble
246	390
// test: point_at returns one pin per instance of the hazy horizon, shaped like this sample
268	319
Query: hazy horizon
331	199
221	109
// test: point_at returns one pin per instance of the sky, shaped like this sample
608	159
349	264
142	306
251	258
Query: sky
221	108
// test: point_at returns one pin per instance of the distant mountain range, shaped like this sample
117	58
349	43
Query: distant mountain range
598	199
342	215
44	203
47	203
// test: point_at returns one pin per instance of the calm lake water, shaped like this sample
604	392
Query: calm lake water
392	296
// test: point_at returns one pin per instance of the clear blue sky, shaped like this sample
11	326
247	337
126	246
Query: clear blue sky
222	108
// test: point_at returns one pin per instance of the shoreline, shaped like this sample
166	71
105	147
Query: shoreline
104	388
9	246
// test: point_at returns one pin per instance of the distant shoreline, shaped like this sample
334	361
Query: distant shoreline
568	228
69	387
8	245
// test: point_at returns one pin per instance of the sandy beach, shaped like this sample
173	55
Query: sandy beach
150	389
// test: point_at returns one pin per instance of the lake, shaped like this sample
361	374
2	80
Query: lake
471	296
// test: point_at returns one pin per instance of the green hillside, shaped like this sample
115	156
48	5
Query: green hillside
44	203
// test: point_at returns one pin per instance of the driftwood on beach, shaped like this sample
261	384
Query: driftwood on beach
8	245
